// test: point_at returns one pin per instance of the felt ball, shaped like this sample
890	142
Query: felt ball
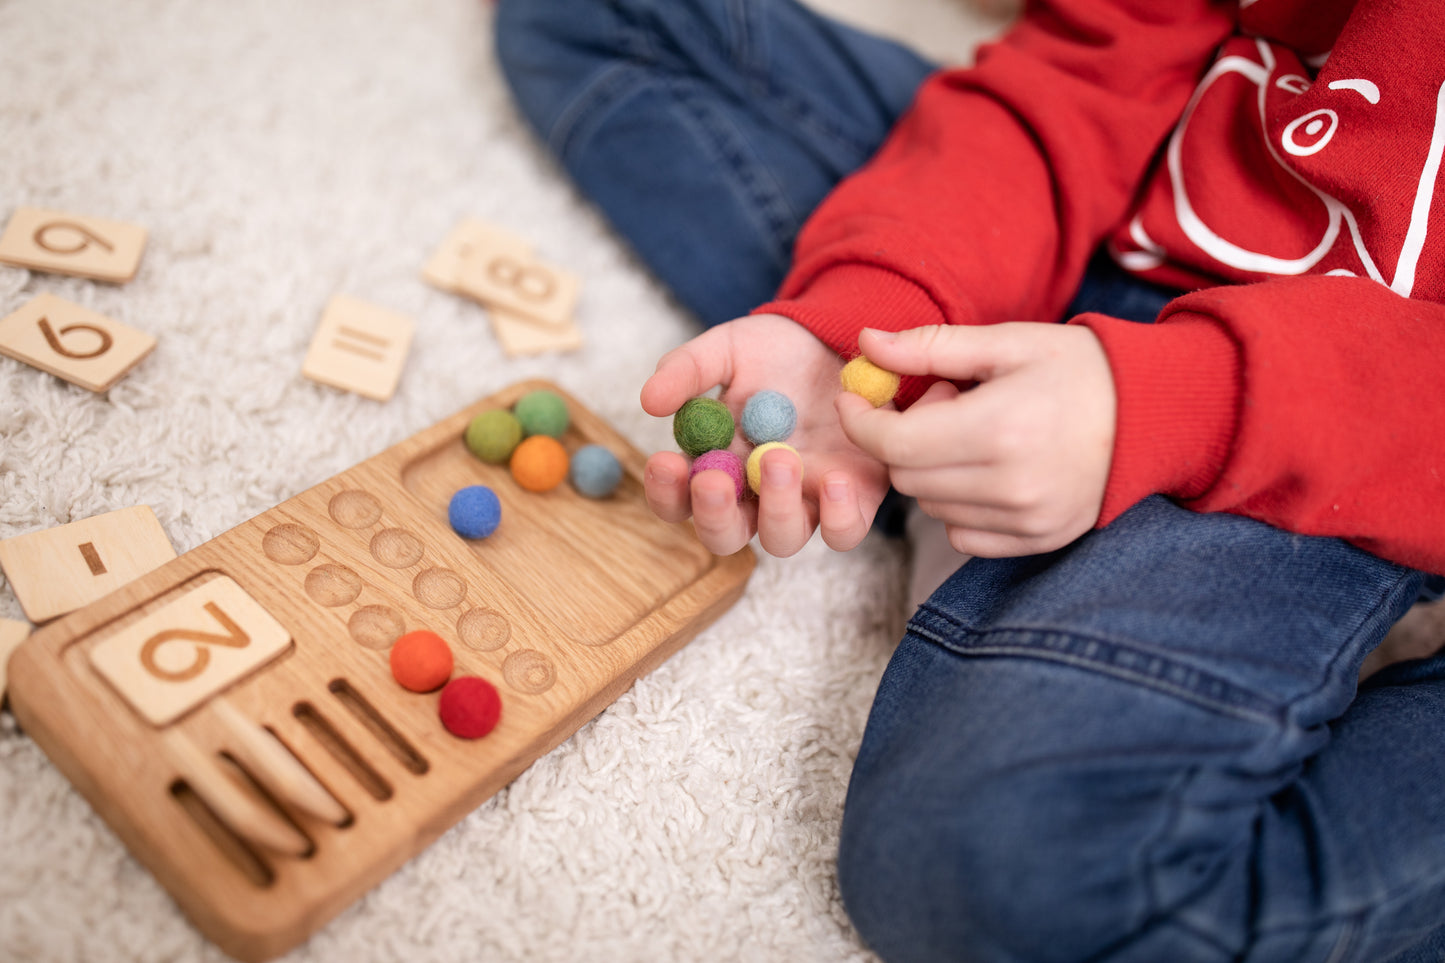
542	412
768	416
720	459
469	707
595	471
863	377
475	512
702	424
540	463
493	435
421	661
755	461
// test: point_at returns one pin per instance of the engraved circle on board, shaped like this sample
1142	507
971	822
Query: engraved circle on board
354	508
290	544
396	548
483	629
529	671
332	585
439	588
376	626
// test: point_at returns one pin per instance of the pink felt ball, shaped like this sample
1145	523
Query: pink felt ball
720	459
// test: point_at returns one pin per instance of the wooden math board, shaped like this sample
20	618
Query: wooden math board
232	714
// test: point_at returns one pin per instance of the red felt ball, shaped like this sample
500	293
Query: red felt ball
421	661
470	707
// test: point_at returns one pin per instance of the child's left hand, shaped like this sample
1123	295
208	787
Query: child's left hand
1016	464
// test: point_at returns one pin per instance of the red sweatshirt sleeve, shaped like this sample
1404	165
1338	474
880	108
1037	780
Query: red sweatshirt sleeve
1314	404
990	195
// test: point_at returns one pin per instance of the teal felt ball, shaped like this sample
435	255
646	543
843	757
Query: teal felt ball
595	471
702	424
768	416
542	412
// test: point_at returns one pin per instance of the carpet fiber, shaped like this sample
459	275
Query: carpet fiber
283	153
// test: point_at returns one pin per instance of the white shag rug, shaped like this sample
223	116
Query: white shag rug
282	153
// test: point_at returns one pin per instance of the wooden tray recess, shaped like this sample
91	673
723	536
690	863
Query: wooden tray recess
291	773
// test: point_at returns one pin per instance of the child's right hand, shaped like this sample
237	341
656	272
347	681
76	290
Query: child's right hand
839	487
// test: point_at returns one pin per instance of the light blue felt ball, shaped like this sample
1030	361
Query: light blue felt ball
474	512
768	416
595	471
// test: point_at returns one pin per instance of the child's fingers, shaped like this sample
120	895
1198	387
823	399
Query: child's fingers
664	483
987	544
784	525
841	522
956	352
721	523
924	436
686	372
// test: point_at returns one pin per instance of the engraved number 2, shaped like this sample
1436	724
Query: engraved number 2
235	638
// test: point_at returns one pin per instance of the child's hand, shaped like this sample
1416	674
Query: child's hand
840	487
1015	465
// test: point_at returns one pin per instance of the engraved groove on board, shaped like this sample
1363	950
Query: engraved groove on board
342	751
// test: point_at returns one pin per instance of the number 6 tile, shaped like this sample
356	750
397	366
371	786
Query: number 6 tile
88	247
82	346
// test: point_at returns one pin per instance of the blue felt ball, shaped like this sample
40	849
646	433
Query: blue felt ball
768	416
475	512
595	471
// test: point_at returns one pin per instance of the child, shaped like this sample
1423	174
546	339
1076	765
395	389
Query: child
1130	729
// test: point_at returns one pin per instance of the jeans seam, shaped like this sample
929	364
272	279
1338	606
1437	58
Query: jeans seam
779	220
746	59
1382	601
1346	941
1116	659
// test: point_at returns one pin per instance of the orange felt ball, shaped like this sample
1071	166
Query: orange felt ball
421	661
540	463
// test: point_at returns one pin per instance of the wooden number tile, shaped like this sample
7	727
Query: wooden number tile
532	288
12	633
359	347
58	570
443	269
71	342
88	247
189	649
519	335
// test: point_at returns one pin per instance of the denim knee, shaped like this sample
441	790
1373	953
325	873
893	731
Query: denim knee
537	44
981	834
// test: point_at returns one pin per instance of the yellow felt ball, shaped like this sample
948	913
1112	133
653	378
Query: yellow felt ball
863	377
755	461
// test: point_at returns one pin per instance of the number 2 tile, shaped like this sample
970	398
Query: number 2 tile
194	645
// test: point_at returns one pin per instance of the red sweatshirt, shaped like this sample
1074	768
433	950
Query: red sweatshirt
1278	158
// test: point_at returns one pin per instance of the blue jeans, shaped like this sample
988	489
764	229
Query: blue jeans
1148	746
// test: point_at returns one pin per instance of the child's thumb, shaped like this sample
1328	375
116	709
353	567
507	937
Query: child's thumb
955	352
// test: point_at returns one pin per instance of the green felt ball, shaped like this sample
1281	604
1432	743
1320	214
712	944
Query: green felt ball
702	424
542	412
493	434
